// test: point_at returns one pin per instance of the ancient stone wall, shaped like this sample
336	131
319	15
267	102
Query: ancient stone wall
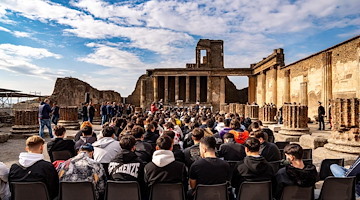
71	92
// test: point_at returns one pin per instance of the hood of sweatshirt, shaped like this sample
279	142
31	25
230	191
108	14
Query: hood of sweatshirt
28	159
302	177
162	158
125	156
103	142
257	165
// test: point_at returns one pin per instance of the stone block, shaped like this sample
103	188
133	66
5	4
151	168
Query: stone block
287	138
322	153
312	142
4	137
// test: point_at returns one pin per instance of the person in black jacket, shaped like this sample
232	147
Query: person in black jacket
192	153
60	144
33	168
143	149
127	166
231	150
151	134
91	112
268	150
163	168
44	117
84	112
55	113
297	173
321	114
253	168
87	137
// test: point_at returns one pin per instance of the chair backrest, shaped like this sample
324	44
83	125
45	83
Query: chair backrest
308	161
275	165
171	191
123	190
61	155
307	154
325	167
77	190
29	191
297	193
282	154
232	165
338	188
255	190
212	192
281	145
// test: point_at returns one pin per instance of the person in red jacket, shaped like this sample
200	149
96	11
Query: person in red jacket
153	108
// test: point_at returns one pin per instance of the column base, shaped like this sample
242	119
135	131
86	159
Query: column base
322	153
70	125
24	129
269	122
292	135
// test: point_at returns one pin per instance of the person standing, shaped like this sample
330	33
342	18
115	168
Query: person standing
103	112
55	113
44	117
91	111
321	113
85	112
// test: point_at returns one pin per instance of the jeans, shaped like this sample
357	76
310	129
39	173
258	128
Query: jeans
91	118
337	170
47	123
103	119
321	123
55	119
85	118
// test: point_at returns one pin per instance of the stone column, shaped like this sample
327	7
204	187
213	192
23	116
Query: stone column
187	95
267	114
263	88
198	88
142	93
222	90
252	111
232	108
252	89
176	88
274	85
327	79
166	89
303	94
97	116
26	122
69	117
295	123
287	87
240	109
155	86
209	91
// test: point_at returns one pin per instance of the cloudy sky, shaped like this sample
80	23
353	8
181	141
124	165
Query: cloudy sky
109	44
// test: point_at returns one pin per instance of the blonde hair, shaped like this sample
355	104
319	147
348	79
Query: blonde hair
86	123
34	141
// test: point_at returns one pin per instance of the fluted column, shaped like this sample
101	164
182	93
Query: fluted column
209	91
166	89
198	88
287	87
222	90
187	92
26	121
252	89
155	86
176	88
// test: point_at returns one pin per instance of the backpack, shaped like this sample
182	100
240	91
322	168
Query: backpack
240	137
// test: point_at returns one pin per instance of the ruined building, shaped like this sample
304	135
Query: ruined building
328	74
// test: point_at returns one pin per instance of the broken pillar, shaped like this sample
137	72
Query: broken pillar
69	117
232	108
26	122
267	114
295	119
240	109
97	116
252	111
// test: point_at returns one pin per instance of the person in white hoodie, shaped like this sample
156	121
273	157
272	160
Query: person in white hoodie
4	184
163	168
106	148
33	168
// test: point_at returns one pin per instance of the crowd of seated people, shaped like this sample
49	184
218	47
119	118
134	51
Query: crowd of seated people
168	146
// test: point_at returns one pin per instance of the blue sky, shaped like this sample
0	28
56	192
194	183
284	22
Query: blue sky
109	44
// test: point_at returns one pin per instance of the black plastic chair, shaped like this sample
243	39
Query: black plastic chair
281	145
307	154
297	193
255	190
275	165
77	190
338	188
61	155
29	191
212	192
325	167
308	161
170	191
122	190
282	154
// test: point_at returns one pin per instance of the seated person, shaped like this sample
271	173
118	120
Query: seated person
192	153
269	132
83	168
127	159
79	133
151	134
297	173
268	150
85	138
240	135
179	155
60	144
106	148
4	182
354	170
163	167
33	168
253	168
209	170
231	150
143	149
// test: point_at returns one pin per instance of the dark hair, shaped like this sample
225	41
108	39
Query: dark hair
235	124
149	127
169	125
127	142
210	123
260	134
197	133
171	134
187	119
294	150
59	130
108	131
203	118
228	135
227	122
164	142
86	147
260	122
209	142
255	125
252	144
137	131
221	119
87	130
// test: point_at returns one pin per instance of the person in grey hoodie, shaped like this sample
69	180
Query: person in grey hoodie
33	168
163	168
4	184
106	148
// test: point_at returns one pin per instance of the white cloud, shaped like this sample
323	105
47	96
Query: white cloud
15	33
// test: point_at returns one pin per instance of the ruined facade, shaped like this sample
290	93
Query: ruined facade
71	92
